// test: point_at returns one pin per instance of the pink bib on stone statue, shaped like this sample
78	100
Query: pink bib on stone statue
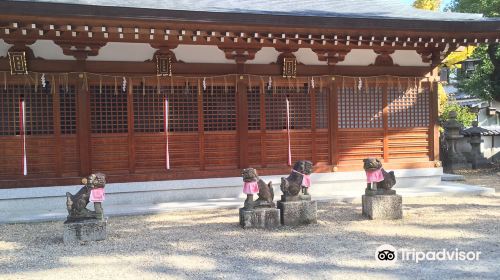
97	195
374	176
251	188
306	181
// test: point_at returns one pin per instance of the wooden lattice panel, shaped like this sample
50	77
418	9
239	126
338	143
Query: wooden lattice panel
408	107
322	108
300	108
9	110
149	111
67	101
219	108
253	108
360	108
39	112
108	109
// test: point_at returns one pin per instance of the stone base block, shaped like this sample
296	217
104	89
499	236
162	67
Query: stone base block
88	230
382	207
298	212
260	218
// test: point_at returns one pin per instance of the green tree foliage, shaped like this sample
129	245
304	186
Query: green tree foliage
464	115
485	82
432	5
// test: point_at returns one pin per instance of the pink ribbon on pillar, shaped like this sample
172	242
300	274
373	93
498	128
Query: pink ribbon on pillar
288	132
22	133
167	154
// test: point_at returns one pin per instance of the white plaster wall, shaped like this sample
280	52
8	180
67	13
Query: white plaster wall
201	54
4	47
408	58
47	49
485	120
116	51
266	55
359	58
490	147
308	57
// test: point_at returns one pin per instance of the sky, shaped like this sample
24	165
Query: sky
444	3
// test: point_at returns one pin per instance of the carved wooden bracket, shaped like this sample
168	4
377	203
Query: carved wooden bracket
21	46
80	51
332	56
429	55
384	57
240	55
164	50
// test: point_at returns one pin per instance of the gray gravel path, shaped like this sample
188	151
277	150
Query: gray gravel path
211	245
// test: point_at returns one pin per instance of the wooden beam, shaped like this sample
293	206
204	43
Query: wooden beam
206	69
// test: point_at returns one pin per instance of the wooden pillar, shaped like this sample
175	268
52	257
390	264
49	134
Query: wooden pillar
242	117
314	157
385	119
262	106
433	124
83	121
201	134
56	110
131	132
333	122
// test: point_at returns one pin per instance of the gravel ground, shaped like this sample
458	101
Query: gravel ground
488	177
211	245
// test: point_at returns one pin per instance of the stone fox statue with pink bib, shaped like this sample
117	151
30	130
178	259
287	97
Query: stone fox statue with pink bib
92	191
252	184
378	180
298	180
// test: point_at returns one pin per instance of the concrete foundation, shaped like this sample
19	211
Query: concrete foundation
301	212
260	218
48	203
382	207
88	230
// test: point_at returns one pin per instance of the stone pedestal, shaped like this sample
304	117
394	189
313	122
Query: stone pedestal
260	218
88	230
300	212
382	207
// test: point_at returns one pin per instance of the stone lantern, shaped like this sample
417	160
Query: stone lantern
477	159
454	159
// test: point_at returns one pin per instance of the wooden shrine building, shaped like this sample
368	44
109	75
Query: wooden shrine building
227	84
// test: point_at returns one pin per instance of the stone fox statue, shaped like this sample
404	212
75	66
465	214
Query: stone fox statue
386	180
293	184
265	191
76	204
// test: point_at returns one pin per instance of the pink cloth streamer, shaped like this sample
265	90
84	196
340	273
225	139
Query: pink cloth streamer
374	176
289	162
167	152
97	195
22	132
251	188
